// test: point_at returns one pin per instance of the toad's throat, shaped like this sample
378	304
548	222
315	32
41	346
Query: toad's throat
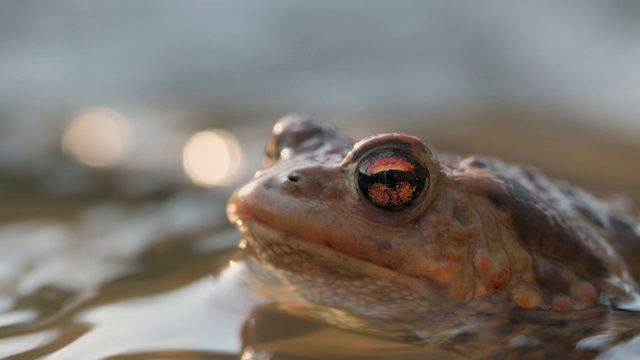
286	251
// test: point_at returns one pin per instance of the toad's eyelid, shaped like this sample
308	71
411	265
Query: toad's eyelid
387	162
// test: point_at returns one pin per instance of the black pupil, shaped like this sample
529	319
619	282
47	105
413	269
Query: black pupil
392	177
392	181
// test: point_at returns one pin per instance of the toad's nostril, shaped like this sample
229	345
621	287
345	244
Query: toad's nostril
293	177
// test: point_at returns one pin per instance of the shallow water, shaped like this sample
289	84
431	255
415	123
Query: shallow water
164	279
114	280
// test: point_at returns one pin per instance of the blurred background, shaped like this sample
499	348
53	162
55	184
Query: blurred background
137	119
121	87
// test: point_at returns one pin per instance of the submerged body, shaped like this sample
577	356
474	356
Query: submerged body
389	230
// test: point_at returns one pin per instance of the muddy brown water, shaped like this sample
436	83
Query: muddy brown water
163	278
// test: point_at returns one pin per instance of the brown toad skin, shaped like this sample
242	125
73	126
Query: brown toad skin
484	235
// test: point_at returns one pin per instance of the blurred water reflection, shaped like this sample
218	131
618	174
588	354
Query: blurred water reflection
212	158
24	343
98	137
68	285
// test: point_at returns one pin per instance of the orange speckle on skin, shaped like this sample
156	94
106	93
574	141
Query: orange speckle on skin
452	254
561	303
587	293
526	298
445	272
480	291
458	234
433	251
498	279
482	261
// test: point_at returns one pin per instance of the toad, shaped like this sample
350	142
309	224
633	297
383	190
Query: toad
389	228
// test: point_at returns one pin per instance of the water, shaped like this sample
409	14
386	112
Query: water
120	279
164	279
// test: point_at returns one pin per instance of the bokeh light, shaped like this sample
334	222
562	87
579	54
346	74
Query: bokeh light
98	137
212	158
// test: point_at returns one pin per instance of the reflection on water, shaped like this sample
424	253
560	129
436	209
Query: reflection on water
212	158
123	278
98	137
24	343
197	316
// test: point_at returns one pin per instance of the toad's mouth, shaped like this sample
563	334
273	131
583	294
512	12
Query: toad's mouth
283	250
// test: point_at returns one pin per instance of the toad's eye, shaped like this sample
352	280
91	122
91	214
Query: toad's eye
298	134
392	180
